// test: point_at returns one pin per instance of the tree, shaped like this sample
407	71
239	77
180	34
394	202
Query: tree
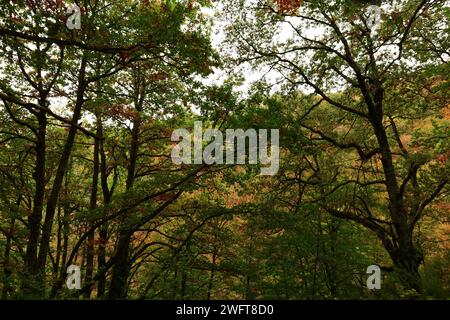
363	65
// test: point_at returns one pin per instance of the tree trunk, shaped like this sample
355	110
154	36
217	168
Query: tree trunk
405	256
103	233
406	264
31	268
121	258
58	243
92	206
117	289
54	195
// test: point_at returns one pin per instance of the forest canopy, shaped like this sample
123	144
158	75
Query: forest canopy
348	101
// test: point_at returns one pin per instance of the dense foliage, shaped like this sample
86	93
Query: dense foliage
87	179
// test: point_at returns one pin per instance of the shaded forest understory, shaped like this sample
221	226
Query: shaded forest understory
87	178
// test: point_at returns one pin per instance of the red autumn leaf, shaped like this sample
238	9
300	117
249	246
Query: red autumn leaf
288	6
